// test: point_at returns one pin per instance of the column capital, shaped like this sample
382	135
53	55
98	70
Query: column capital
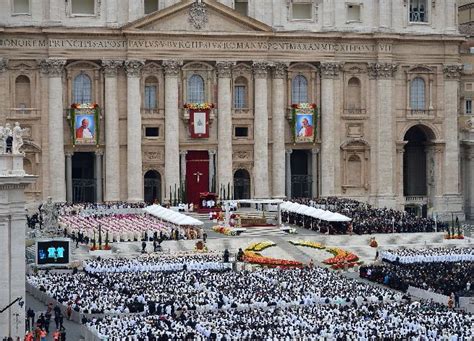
315	151
289	151
53	67
279	70
330	69
382	70
183	152
452	71
224	69
110	67
99	152
260	68
211	152
400	146
3	64
68	153
172	67
133	67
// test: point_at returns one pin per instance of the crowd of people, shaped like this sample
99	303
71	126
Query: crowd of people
223	304
365	218
425	255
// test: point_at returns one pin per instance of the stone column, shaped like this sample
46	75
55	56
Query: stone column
182	156
288	172
211	153
329	152
400	151
384	73
134	131
69	176
98	175
314	171
451	153
470	181
54	68
260	148
278	129
112	140
224	125
172	68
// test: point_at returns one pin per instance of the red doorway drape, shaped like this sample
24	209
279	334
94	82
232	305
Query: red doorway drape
197	175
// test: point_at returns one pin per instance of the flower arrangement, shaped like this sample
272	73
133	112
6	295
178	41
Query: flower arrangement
260	246
341	258
84	106
308	243
373	242
454	236
199	106
224	230
257	258
311	106
200	247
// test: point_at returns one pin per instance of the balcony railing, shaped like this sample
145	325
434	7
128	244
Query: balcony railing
416	199
420	113
23	112
355	112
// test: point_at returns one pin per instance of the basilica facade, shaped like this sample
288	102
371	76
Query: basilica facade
158	100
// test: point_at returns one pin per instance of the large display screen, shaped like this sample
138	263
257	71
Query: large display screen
52	252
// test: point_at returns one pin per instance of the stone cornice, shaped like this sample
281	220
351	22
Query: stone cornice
224	69
110	67
260	68
452	71
53	67
172	67
133	67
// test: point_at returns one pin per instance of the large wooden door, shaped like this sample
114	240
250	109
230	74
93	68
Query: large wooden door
197	175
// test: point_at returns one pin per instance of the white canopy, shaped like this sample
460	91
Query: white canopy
171	216
313	212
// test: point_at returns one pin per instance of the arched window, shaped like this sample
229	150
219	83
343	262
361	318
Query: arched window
353	93
417	94
22	92
151	90
195	89
82	89
240	93
299	90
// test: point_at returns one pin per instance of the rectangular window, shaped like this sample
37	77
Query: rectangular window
241	132
150	6
150	96
83	7
21	6
242	6
353	13
302	11
152	131
468	106
418	11
239	97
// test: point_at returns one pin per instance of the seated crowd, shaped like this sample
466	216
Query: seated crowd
277	303
440	270
365	218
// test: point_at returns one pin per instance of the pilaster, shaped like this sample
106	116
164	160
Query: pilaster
134	131
278	128
260	69
172	70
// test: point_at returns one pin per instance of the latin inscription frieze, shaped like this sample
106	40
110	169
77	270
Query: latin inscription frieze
192	44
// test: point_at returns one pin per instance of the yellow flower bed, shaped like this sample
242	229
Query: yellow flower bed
308	243
260	246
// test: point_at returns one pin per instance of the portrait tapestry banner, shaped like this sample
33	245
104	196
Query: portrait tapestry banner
304	122
84	123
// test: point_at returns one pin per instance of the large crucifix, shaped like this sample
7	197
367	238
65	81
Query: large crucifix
198	174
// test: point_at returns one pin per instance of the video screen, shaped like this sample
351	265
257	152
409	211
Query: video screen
52	252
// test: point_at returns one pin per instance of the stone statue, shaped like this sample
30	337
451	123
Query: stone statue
50	215
3	143
17	138
8	138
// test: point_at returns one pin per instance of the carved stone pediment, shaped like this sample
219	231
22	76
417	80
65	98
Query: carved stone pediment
192	16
